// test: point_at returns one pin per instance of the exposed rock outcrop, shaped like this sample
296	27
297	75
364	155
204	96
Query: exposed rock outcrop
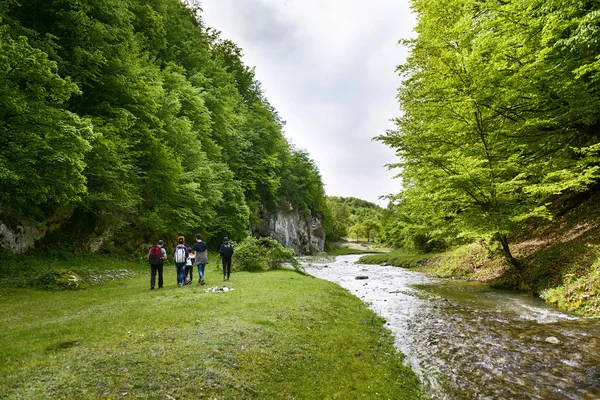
291	230
21	238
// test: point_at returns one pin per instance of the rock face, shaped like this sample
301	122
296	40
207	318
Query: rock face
21	238
291	230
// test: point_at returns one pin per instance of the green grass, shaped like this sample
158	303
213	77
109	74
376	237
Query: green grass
345	248
396	258
579	293
344	251
277	335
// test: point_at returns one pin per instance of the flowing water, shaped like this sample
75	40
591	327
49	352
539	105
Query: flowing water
467	341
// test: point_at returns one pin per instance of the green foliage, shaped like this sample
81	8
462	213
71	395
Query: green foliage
580	294
371	229
303	187
261	254
61	279
43	145
338	249
340	217
499	113
355	218
249	256
356	231
60	269
397	258
132	120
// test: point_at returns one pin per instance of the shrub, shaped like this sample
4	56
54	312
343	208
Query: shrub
578	294
425	244
259	254
61	279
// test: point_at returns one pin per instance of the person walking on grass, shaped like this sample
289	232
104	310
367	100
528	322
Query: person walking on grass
180	255
156	257
226	252
189	267
200	249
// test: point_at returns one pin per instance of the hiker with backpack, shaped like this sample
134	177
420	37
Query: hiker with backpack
226	252
180	255
156	257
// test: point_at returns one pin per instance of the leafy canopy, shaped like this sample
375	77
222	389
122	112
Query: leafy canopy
499	103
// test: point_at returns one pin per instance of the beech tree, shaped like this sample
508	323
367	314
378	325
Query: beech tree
499	105
43	144
131	120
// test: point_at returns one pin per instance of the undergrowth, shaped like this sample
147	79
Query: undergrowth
397	258
578	293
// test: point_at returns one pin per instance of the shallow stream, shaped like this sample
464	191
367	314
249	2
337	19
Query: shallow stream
466	341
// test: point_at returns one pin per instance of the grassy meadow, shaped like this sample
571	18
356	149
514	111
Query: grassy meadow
276	335
397	258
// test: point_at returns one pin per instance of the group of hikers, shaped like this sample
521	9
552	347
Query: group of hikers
185	259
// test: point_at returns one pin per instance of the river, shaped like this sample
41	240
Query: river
467	341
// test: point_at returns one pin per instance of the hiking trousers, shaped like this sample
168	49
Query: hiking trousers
226	267
189	270
180	273
154	269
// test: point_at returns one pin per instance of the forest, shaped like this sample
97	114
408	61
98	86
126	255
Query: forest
499	124
354	218
125	120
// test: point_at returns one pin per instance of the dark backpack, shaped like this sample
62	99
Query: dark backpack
226	250
155	257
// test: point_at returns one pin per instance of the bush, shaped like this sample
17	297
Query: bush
425	244
260	254
61	279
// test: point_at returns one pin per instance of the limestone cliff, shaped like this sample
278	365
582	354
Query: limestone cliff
21	238
291	230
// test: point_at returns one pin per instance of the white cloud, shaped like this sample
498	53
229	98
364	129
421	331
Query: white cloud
328	68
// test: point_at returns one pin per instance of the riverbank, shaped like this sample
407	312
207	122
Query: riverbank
276	335
349	246
560	260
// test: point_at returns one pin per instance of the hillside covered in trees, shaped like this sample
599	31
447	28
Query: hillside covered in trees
499	118
498	145
125	120
354	218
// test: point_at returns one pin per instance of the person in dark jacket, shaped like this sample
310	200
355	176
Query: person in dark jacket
226	252
200	249
156	257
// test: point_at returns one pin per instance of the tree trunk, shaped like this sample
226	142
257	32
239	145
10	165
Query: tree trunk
503	239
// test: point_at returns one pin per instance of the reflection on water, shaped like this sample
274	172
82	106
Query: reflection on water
466	341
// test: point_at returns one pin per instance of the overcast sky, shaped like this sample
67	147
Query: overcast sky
327	66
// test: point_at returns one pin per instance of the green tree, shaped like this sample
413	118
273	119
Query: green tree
370	228
357	231
43	144
127	120
494	120
340	218
350	211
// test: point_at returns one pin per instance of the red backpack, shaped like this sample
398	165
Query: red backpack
155	257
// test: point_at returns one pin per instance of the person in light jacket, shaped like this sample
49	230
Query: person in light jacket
180	255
